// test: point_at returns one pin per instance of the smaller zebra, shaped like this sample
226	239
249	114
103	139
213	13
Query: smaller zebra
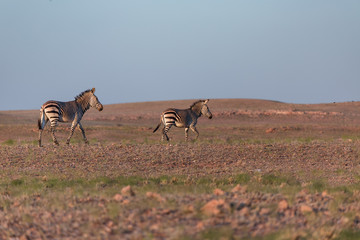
183	118
55	111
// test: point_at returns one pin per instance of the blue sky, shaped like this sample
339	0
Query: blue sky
146	50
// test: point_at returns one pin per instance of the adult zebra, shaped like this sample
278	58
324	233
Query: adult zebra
184	118
56	111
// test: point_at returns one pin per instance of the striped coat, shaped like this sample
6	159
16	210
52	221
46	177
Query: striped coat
72	111
183	118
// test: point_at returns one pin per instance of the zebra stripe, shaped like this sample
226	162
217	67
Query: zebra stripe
53	112
170	116
72	111
183	118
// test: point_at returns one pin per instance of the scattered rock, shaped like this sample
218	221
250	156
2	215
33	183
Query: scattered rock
24	237
155	196
283	205
118	197
200	226
325	194
189	209
213	207
244	211
270	130
239	189
154	227
305	208
127	191
218	192
264	211
16	204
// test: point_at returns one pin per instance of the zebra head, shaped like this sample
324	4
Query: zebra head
205	110
94	101
200	108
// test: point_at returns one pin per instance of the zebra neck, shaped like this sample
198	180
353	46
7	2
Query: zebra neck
85	109
83	105
196	111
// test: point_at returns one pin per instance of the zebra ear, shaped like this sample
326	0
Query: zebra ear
206	101
93	90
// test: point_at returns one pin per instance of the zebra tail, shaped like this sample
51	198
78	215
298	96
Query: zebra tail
41	119
39	124
157	127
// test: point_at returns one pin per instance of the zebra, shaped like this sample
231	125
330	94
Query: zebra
56	111
183	118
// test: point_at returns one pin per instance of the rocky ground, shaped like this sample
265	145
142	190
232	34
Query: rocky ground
237	213
260	170
295	190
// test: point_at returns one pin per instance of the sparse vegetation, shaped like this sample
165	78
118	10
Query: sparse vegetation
9	142
249	176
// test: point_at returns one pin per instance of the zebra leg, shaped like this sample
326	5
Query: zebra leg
186	133
83	133
53	126
165	130
72	129
193	128
40	133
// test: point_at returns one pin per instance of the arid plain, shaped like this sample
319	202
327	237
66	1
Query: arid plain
259	170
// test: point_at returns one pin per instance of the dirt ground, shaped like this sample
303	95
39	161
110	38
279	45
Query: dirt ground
260	169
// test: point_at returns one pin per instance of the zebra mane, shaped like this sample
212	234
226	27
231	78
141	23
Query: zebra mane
196	103
196	107
82	94
83	101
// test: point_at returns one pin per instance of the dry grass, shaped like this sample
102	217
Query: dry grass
305	155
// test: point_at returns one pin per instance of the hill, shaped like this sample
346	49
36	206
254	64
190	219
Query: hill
250	116
219	107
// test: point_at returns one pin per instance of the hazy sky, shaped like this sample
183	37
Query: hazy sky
305	51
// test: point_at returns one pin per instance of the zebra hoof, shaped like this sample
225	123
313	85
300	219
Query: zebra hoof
86	142
56	143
